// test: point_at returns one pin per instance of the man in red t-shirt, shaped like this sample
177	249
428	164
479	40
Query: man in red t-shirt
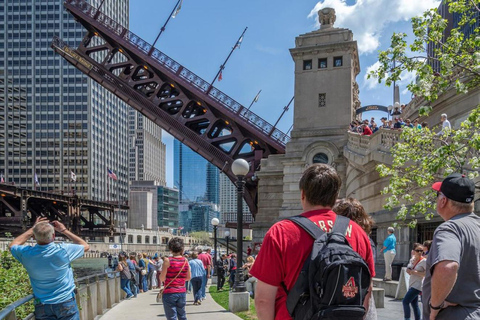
286	246
206	258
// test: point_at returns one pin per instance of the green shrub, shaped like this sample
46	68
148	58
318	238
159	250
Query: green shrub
14	284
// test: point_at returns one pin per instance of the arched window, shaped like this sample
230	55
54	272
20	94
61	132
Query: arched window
139	239
320	158
155	239
147	239
130	238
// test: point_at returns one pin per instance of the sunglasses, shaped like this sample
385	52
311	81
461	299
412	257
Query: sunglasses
419	250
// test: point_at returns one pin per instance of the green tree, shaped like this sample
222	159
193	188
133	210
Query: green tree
421	157
202	236
456	55
14	284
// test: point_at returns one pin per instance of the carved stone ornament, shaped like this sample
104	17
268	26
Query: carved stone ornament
326	17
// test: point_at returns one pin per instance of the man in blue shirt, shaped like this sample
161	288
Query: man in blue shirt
48	266
389	253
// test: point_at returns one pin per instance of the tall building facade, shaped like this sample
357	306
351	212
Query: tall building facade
54	120
147	151
228	202
167	207
195	178
197	216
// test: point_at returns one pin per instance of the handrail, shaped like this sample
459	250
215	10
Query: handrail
187	75
12	306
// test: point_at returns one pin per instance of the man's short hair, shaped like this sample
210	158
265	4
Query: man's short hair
391	229
320	184
43	232
462	206
444	115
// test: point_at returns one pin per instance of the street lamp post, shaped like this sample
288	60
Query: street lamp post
215	223
240	168
227	235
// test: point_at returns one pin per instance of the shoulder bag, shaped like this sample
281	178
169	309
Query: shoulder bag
160	293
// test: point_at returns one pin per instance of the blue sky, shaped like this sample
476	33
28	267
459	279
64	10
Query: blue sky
202	34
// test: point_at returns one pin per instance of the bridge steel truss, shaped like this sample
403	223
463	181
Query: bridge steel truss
20	207
202	117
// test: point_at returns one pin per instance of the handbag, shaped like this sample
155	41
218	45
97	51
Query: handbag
126	271
160	293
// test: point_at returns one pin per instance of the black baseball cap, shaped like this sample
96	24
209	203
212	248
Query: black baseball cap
456	187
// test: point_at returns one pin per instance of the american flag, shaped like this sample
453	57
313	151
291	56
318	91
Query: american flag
112	174
2	179
180	228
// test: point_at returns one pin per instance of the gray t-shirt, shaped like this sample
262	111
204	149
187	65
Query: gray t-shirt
457	239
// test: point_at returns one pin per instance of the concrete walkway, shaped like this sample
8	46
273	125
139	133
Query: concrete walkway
145	306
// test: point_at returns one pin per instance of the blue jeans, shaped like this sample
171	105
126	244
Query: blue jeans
144	285
174	305
411	298
125	285
59	311
197	284
204	285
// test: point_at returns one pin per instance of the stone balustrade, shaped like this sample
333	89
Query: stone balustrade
363	149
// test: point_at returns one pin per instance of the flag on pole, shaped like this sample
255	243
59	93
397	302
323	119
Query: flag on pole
36	180
180	228
73	176
239	42
256	97
112	174
220	77
178	9
2	178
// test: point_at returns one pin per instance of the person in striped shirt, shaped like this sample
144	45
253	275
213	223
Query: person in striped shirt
175	272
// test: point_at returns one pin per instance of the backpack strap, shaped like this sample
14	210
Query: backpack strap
341	225
306	224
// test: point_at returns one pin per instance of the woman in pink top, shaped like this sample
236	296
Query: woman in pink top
175	272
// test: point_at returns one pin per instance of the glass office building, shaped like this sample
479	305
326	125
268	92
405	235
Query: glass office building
194	177
54	120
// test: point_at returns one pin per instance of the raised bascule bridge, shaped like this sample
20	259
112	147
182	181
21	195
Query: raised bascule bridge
189	108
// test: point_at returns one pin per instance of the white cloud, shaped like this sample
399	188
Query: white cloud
368	18
371	83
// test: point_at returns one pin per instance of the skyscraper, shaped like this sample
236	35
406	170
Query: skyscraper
228	202
54	120
147	151
195	178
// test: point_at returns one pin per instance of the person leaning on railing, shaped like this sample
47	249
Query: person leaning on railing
48	266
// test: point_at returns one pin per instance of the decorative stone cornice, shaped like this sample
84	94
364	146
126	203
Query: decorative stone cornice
318	132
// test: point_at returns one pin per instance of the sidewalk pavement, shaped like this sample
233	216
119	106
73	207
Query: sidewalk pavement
145	306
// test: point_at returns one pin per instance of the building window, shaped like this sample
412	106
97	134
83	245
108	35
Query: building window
320	158
338	61
130	238
139	239
154	239
147	239
322	100
307	64
322	63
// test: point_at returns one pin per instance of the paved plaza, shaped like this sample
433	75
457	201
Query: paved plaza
145	307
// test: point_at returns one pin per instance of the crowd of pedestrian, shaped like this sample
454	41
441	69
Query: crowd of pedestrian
366	128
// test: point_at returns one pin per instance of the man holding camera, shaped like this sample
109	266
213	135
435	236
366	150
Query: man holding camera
48	266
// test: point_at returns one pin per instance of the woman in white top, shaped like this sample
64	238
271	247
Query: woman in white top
416	270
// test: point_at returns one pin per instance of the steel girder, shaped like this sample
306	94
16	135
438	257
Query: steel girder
189	108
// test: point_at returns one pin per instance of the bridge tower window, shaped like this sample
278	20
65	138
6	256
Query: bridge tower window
307	64
320	158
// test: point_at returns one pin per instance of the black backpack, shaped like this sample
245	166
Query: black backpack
333	281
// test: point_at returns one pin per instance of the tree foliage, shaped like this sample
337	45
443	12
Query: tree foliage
457	55
202	236
14	284
422	157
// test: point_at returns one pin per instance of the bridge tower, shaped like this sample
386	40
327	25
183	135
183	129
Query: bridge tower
326	96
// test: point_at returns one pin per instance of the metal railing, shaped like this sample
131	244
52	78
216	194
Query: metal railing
95	294
187	75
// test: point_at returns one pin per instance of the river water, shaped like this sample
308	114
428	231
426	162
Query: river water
89	266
